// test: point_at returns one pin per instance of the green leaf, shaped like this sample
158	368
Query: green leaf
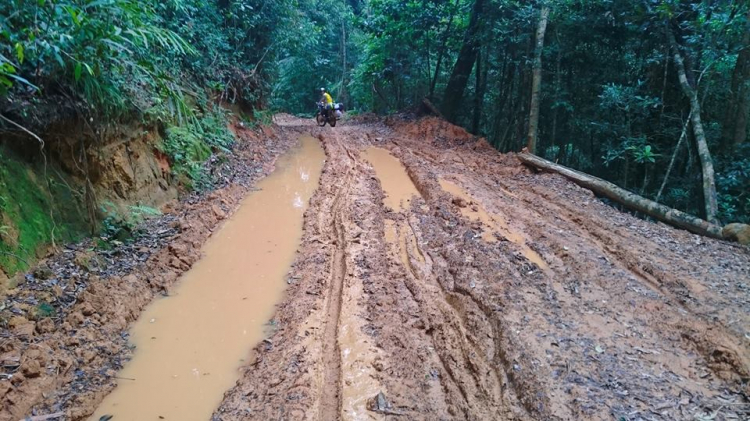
24	81
19	52
77	71
88	68
59	59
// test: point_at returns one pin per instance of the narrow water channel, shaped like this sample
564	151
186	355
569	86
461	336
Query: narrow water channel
398	188
190	345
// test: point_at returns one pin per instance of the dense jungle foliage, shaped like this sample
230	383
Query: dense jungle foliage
644	93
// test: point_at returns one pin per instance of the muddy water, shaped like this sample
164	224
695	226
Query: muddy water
397	185
476	212
190	345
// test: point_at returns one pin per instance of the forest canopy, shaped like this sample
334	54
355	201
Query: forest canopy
641	93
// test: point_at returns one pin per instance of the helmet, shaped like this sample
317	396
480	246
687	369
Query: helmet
322	89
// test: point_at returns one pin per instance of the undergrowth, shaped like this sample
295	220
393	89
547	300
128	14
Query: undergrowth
190	146
121	224
29	220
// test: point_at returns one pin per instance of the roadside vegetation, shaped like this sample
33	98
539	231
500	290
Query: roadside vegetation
652	95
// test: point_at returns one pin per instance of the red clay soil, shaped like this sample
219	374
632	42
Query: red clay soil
630	320
431	313
66	363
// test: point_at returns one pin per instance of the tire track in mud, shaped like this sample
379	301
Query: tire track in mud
477	377
690	319
648	275
455	327
331	405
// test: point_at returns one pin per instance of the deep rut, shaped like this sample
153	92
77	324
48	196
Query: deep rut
331	405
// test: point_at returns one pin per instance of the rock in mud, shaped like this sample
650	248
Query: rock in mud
460	202
218	212
20	326
737	232
380	404
31	369
43	272
45	326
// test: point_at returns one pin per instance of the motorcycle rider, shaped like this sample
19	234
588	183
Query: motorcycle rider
326	100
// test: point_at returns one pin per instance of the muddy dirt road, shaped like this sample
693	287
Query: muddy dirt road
492	293
437	280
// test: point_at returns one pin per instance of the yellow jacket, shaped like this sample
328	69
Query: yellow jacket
328	98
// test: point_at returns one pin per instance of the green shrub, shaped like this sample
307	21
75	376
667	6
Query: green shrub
188	147
122	225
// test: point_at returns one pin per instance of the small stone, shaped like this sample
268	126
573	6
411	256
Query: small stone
21	326
460	202
76	318
43	272
45	325
220	214
87	309
31	369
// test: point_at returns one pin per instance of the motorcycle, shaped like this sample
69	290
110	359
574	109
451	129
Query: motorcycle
326	115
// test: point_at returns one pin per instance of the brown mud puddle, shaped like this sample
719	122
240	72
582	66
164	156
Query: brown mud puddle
190	345
399	191
473	210
398	187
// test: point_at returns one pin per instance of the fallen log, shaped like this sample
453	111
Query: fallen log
630	200
432	108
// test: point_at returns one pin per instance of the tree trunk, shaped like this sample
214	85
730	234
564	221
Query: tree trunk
536	83
558	88
431	108
734	129
342	91
454	92
441	52
478	95
630	200
707	166
683	135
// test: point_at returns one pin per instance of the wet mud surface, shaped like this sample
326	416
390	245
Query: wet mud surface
458	285
495	293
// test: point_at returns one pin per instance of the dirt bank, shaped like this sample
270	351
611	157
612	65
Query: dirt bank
493	293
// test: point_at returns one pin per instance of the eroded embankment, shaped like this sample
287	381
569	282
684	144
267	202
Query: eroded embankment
497	294
67	362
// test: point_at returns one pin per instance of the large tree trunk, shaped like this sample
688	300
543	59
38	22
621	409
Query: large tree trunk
441	52
558	87
536	82
478	95
734	129
630	200
454	92
707	165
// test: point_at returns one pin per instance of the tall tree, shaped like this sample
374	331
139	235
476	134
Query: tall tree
536	83
454	92
441	50
734	129
478	95
707	165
